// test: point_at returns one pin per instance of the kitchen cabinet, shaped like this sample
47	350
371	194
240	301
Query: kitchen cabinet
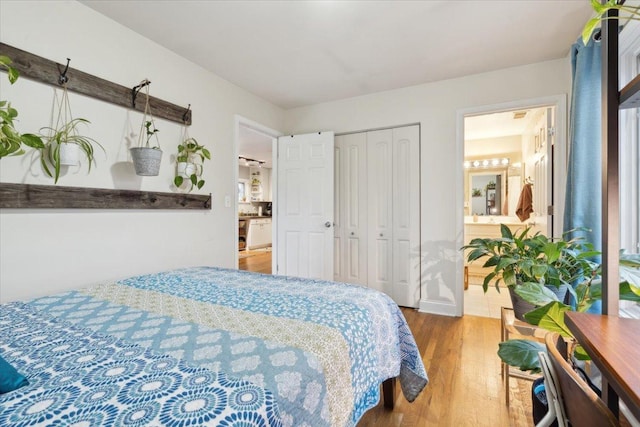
242	234
259	233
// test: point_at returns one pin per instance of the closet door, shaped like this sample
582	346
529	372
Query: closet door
350	261
379	195
406	216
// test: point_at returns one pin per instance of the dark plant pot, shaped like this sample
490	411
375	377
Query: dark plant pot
146	160
521	307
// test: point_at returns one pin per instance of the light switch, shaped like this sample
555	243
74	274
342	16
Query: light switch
227	201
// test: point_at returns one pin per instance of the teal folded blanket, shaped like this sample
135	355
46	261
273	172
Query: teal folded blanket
10	379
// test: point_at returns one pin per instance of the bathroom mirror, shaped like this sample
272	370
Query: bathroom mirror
487	192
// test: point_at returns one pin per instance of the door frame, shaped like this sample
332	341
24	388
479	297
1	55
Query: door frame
559	169
273	134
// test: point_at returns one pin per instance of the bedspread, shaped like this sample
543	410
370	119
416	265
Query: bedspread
322	348
80	377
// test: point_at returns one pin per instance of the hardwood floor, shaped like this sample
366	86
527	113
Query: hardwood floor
465	387
258	261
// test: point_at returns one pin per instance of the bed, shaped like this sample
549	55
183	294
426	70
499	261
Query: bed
234	346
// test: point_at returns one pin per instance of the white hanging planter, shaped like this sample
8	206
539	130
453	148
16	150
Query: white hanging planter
146	160
186	169
69	154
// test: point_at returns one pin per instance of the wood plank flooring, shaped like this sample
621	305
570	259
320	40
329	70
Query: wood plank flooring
465	387
258	261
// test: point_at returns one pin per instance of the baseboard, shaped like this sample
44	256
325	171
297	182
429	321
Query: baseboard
444	309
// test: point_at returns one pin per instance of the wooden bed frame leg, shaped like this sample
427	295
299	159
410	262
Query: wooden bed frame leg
389	392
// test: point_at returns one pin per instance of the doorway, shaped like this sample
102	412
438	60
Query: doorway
255	148
505	149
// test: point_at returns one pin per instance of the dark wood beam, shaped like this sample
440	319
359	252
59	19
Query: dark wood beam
610	166
28	196
43	70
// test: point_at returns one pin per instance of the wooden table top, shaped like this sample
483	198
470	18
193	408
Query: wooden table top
614	346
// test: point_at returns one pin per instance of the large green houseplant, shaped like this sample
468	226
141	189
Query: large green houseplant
525	260
11	141
531	265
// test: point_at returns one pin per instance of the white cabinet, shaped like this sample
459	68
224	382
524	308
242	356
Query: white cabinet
377	199
259	234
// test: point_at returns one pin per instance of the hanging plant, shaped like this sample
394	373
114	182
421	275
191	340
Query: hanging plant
11	140
64	145
629	12
190	161
146	156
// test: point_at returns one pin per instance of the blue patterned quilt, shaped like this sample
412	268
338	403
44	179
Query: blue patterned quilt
322	348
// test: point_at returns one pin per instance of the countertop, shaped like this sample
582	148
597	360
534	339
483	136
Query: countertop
254	217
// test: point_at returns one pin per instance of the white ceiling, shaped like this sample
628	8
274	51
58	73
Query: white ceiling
296	53
254	145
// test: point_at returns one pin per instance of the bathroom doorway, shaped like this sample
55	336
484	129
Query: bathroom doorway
506	151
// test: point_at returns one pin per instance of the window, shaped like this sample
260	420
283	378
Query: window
629	156
243	190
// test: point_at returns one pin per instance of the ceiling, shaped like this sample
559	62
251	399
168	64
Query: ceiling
297	53
254	145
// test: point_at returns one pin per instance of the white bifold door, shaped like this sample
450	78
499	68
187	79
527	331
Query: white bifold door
305	205
377	211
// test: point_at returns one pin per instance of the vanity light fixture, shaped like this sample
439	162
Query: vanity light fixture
486	163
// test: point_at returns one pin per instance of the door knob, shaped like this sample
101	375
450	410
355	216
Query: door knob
327	224
352	233
381	235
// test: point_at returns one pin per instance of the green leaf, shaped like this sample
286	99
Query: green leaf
194	179
178	180
522	354
506	232
200	184
487	280
629	292
580	353
206	153
32	141
588	29
535	293
551	318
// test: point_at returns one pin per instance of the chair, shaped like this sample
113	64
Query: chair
554	398
582	406
510	327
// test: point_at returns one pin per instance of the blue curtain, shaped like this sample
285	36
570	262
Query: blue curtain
583	207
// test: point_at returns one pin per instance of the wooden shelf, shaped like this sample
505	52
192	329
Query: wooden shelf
43	70
28	196
630	94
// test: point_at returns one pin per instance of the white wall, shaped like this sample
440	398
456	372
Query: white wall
44	251
435	106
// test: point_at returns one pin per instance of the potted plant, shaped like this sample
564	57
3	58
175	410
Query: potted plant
190	160
549	313
11	140
523	260
147	156
63	147
64	143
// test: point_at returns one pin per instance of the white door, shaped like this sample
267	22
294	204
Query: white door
305	205
379	194
350	257
406	216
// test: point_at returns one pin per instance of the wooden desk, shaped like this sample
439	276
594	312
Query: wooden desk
614	346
